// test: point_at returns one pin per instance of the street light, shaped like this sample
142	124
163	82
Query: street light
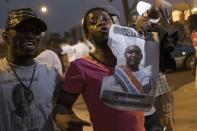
43	9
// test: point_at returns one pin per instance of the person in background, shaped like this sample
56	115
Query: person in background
165	8
84	76
47	55
159	41
72	52
26	86
152	121
50	58
164	101
192	20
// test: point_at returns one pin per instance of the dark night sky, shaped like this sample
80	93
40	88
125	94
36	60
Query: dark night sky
62	14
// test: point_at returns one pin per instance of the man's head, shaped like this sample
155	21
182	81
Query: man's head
22	33
165	8
97	22
133	55
192	20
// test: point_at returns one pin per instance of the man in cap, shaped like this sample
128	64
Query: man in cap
26	87
84	76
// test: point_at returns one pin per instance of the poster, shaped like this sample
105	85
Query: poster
126	89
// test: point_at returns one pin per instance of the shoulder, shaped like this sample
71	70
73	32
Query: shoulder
145	72
47	54
50	58
51	53
79	66
48	69
4	66
79	62
85	63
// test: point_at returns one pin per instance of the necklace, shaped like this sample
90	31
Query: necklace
27	91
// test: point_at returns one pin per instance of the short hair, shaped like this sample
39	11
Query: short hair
192	20
136	46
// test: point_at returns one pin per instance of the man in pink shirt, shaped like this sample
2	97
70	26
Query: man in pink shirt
84	76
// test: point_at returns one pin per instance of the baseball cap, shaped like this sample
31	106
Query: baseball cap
21	15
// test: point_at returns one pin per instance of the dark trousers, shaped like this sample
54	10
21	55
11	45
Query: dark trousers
152	123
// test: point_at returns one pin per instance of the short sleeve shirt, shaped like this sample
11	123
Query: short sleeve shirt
85	76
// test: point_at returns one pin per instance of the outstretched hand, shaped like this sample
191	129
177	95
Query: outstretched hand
70	122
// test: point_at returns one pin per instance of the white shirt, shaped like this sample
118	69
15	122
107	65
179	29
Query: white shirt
50	58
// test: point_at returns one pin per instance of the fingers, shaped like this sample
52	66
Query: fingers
78	122
70	122
144	28
86	123
142	25
77	125
62	120
74	127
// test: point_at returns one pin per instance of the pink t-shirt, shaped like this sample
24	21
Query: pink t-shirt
85	76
